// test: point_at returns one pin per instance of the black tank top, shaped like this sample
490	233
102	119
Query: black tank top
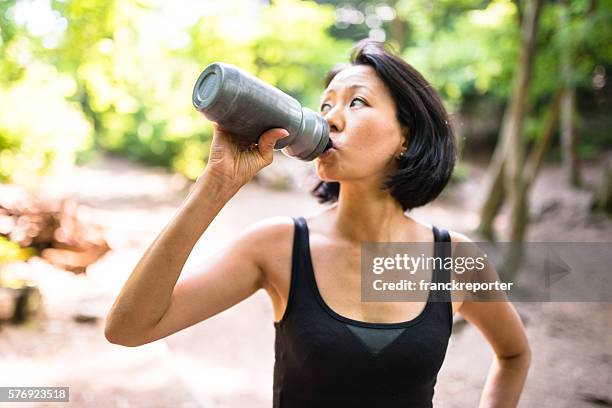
323	359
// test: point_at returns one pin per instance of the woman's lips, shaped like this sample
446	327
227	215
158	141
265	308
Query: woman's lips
329	148
327	152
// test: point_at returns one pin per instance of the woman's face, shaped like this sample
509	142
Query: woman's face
363	127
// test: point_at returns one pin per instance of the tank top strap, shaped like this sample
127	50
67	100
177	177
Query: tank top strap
300	295
442	252
302	276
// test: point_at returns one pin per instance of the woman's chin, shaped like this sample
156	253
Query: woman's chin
326	174
325	166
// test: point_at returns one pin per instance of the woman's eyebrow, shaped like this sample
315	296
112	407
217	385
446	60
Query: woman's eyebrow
353	86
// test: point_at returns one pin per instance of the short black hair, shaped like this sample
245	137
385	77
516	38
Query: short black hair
427	165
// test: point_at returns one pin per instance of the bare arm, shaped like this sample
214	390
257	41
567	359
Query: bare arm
149	306
501	325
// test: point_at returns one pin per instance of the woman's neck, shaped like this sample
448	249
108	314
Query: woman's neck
365	213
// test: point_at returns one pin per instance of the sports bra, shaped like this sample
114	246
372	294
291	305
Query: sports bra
324	359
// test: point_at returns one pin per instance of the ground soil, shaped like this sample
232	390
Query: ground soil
227	361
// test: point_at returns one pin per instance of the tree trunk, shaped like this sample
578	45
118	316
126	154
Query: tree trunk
512	135
495	180
503	177
603	199
494	184
513	125
537	154
569	142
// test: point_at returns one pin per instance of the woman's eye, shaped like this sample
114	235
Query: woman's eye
358	100
328	106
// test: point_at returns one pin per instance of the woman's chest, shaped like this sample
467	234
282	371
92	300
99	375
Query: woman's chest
323	349
336	273
339	277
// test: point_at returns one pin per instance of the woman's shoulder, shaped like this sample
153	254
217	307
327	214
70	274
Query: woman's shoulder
270	229
455	236
272	239
461	244
280	227
458	237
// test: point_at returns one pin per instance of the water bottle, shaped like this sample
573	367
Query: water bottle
247	106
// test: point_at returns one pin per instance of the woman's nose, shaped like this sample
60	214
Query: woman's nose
334	120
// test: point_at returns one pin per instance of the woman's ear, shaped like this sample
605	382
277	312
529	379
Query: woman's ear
405	136
403	147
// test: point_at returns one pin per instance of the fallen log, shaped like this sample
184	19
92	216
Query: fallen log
52	227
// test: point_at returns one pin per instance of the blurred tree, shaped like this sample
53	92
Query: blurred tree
378	20
105	69
293	50
128	68
512	127
602	200
40	128
505	168
551	57
9	69
568	100
569	136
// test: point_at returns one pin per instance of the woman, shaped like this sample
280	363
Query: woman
393	151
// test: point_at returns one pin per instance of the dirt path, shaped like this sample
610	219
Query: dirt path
227	360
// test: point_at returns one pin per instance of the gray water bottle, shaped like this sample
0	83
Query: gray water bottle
247	106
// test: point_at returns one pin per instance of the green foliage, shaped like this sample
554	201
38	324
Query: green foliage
471	54
119	74
294	51
132	79
40	129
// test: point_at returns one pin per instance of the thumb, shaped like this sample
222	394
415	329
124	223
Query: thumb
267	141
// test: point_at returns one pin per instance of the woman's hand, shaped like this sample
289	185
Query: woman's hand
236	162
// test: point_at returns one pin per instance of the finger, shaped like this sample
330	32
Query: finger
267	141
